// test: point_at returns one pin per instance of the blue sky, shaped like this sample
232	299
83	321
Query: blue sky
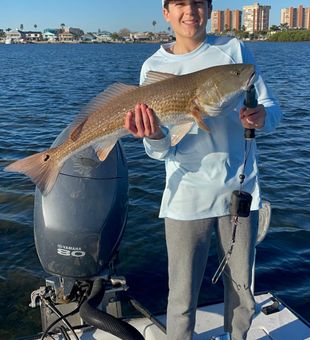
91	15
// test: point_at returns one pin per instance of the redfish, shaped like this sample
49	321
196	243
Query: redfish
178	101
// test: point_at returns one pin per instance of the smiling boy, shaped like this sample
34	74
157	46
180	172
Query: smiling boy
201	173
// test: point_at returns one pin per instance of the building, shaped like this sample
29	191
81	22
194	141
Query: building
32	36
217	21
163	36
55	31
227	20
70	34
104	36
289	17
256	17
237	20
296	17
76	31
67	37
15	36
88	38
140	36
49	36
307	18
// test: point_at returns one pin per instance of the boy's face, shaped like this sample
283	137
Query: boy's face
188	18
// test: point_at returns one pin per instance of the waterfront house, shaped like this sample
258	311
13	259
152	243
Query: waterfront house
88	38
33	36
163	37
140	36
49	36
70	35
15	36
67	37
76	31
103	36
52	30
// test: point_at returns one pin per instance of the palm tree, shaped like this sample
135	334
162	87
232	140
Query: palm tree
154	24
284	27
62	27
35	26
21	27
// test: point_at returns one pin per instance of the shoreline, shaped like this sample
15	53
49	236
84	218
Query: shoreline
82	43
132	42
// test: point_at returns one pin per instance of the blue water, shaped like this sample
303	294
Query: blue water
42	87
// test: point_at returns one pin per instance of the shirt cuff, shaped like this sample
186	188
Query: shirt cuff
159	145
272	119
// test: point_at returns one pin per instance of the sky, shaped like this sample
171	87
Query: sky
109	15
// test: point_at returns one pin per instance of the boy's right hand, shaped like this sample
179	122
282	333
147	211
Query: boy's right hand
143	123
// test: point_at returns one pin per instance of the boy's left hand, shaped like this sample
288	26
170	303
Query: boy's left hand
253	118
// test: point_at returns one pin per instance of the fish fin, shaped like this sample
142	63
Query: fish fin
99	102
76	130
154	77
105	97
196	113
104	148
177	132
40	167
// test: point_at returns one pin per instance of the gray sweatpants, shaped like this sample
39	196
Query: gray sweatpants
188	245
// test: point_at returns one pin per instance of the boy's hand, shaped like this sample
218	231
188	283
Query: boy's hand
253	118
143	123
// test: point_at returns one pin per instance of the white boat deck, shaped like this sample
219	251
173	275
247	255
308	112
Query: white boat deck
281	325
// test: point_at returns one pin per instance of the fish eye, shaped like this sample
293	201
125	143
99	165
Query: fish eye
236	73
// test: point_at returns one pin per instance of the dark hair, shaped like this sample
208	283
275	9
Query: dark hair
166	3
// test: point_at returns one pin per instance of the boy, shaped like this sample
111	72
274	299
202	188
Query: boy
201	173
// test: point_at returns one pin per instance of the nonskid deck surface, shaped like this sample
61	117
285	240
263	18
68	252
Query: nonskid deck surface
280	325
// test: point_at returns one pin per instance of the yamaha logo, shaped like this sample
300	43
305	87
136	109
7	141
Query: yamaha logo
70	251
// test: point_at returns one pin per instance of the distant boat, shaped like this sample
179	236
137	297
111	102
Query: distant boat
8	41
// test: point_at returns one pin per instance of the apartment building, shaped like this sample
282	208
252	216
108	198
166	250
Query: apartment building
296	17
217	21
237	20
307	18
256	17
227	20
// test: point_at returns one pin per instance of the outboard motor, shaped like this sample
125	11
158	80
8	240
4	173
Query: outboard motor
79	224
78	227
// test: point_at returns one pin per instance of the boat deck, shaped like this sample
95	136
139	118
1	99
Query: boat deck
280	325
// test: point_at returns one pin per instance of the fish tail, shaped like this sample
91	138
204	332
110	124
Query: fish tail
43	169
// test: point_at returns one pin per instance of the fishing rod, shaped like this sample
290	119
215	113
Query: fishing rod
240	205
241	200
250	102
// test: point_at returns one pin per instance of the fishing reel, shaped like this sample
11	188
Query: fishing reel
240	204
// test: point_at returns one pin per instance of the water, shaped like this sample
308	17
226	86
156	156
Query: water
43	87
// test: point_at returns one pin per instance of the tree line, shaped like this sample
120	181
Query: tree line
290	35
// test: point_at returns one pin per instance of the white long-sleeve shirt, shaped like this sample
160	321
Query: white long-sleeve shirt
203	169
